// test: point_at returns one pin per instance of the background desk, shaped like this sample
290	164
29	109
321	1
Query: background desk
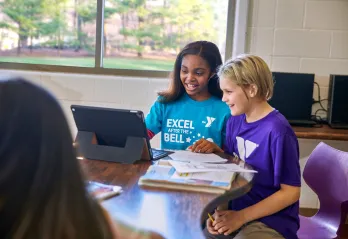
174	214
322	133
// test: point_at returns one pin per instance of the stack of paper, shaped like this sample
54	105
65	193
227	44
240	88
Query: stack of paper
194	167
192	175
188	156
162	176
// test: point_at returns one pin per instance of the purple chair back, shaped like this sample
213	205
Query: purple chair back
326	173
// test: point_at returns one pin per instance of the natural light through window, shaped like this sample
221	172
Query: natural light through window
138	34
54	32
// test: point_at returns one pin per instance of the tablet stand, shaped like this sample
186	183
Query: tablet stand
87	147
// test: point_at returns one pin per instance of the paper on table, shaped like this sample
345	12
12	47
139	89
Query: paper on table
210	176
102	191
188	156
187	167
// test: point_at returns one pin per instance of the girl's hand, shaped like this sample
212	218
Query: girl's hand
228	221
204	146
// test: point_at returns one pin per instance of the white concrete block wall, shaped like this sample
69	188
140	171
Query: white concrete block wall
309	36
96	90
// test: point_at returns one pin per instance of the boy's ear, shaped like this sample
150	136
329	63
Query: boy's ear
253	90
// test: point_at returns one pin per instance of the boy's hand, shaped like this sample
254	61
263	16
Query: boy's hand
228	221
210	227
210	224
205	146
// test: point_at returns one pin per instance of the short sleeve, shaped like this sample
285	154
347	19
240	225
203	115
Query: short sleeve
154	119
285	155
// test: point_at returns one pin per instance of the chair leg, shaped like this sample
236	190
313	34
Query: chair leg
342	231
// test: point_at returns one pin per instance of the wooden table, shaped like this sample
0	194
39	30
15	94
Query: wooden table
324	132
173	214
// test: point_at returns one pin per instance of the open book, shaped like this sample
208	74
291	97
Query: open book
164	175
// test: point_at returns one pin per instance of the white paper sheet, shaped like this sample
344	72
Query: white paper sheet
188	167
188	156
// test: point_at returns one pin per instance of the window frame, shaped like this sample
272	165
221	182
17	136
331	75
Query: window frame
98	68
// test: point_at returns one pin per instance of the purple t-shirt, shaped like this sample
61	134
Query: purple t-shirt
271	147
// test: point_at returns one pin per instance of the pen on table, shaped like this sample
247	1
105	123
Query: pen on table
211	218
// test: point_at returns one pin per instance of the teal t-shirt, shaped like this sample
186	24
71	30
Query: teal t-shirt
185	121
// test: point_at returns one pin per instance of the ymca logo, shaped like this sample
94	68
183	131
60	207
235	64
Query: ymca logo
245	147
209	121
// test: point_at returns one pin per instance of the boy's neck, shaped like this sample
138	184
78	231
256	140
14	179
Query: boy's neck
258	110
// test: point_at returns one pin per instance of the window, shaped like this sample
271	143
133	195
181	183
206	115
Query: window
143	35
148	34
53	32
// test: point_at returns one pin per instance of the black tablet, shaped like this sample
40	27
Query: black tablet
112	127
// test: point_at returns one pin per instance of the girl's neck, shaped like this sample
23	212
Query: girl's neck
258	110
200	96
